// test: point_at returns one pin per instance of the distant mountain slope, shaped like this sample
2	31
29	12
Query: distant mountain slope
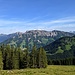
38	37
4	37
74	32
61	48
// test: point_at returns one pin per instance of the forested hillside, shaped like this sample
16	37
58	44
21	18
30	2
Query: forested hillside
61	48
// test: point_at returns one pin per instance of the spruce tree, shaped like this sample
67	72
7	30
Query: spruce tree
12	52
8	57
2	48
16	59
1	61
33	57
41	58
25	59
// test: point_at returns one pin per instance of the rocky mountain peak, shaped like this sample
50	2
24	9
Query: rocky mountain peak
41	33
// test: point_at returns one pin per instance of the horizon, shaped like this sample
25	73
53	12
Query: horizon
25	15
36	30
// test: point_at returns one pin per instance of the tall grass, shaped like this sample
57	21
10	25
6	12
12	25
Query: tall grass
50	70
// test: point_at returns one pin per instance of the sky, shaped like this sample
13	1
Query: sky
24	15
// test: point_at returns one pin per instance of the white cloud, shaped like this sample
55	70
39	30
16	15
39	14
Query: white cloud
11	26
59	21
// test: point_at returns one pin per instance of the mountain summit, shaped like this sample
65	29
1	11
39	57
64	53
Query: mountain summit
37	37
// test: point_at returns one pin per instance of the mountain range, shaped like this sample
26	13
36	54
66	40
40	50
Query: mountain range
29	38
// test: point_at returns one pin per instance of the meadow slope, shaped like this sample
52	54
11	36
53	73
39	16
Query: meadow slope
50	70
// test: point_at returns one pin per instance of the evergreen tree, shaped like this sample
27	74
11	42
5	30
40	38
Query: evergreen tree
12	52
50	62
16	58
8	57
1	61
25	59
42	59
33	63
2	48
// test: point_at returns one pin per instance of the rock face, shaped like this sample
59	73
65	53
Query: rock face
41	33
37	37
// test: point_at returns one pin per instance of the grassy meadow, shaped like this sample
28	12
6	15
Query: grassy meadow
50	70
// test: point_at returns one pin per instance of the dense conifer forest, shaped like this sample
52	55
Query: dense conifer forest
16	58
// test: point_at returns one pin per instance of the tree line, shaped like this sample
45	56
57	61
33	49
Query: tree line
67	61
69	58
17	58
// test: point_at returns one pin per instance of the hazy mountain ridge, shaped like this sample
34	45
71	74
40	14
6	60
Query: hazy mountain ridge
38	37
4	37
74	32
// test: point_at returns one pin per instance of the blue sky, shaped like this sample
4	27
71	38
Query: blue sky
23	15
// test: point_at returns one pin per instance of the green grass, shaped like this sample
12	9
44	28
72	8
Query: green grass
59	50
44	40
50	70
68	47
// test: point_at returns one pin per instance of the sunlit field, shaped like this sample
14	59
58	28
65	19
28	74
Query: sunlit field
50	70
